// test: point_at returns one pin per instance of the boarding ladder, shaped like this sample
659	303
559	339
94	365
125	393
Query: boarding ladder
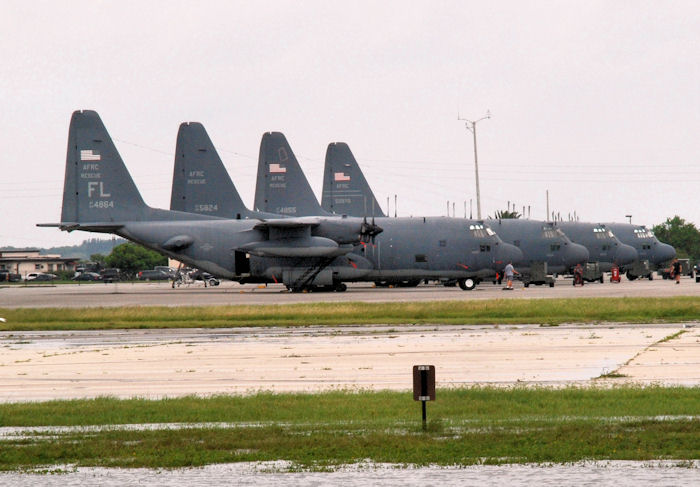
310	274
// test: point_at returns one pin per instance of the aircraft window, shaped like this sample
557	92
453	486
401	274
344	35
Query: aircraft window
600	233
421	258
478	230
442	243
516	243
555	247
485	248
643	233
548	232
605	247
490	232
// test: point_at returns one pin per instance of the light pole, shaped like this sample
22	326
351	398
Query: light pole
629	217
471	126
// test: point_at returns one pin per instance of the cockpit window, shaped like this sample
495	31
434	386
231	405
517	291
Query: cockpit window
643	232
549	232
479	230
602	233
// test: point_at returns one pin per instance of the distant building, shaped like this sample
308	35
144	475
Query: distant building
24	261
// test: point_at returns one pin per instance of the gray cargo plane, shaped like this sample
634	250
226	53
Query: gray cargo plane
462	250
100	196
409	249
652	254
346	189
603	246
202	185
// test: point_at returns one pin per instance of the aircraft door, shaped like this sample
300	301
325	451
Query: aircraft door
242	263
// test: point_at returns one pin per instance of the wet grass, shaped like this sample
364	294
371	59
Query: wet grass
466	426
497	311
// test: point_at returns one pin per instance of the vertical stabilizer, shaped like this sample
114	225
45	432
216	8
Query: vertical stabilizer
201	183
97	185
282	186
345	189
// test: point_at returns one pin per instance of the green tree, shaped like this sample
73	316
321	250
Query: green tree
100	259
506	214
131	258
684	237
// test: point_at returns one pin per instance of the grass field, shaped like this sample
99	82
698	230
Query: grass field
318	431
537	311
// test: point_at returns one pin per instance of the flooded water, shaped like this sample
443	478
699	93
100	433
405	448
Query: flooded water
617	473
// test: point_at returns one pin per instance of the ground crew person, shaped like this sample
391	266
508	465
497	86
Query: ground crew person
509	271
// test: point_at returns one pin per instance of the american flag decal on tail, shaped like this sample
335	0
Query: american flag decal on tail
89	155
341	176
276	168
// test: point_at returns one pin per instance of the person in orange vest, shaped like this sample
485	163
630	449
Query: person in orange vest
676	269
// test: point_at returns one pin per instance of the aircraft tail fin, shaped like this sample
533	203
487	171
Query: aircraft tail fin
98	188
201	183
345	189
282	186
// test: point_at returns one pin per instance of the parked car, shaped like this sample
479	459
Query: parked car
152	275
40	276
110	275
208	279
87	276
7	276
172	273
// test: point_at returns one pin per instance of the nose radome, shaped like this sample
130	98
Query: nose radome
664	253
626	254
576	254
508	253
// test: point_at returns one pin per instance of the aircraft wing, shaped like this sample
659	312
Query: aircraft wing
283	223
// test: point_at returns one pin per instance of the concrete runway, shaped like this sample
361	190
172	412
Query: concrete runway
37	366
161	293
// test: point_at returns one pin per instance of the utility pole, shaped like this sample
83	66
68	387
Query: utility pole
471	126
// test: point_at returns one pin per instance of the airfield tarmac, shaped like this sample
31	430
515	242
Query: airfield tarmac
162	294
174	362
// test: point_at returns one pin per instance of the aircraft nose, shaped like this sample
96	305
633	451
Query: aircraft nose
626	254
575	254
664	253
508	253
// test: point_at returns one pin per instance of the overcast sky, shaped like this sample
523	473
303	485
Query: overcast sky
597	102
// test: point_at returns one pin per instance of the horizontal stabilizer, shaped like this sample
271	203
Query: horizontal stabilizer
104	227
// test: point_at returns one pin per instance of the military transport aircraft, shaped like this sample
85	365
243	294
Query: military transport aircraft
652	254
461	250
409	249
603	246
100	196
346	189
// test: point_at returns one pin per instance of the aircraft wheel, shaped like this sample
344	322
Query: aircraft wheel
650	277
630	276
341	287
526	284
601	280
551	284
467	284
